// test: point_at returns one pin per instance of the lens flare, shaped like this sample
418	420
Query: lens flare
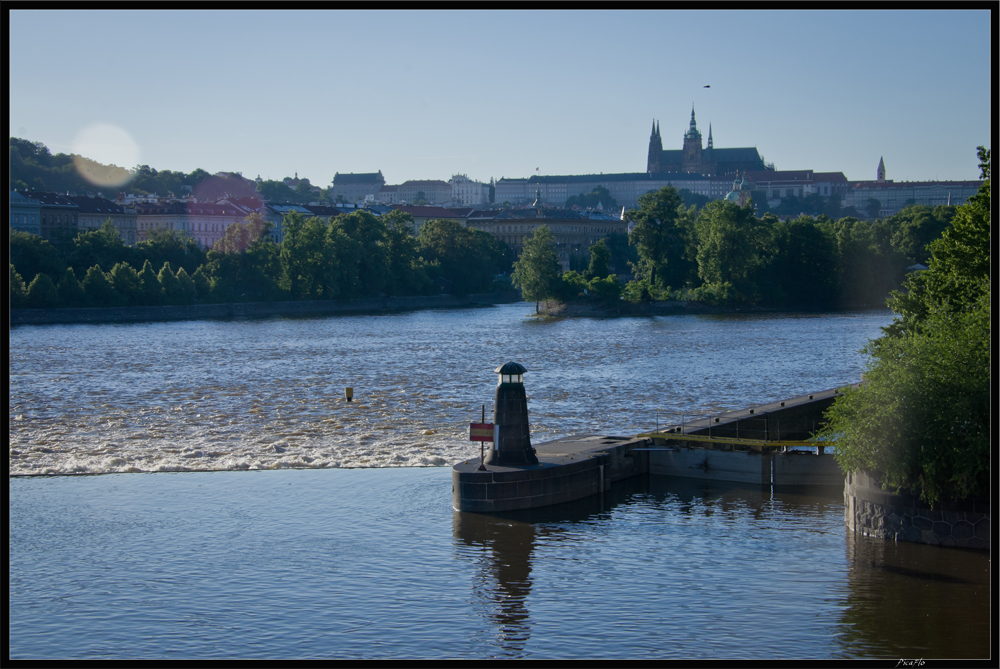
103	153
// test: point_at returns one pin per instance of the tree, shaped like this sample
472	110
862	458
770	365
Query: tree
873	207
536	272
239	236
599	195
407	269
921	419
42	293
98	290
187	291
127	282
30	254
18	291
802	271
152	289
959	266
493	190
70	291
167	279
916	226
663	238
600	258
734	246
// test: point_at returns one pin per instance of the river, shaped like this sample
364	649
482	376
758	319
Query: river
338	546
267	394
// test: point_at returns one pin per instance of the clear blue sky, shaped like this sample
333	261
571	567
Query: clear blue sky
426	94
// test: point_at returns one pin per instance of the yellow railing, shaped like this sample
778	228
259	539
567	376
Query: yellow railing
756	444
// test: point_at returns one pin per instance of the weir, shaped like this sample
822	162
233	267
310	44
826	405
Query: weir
760	445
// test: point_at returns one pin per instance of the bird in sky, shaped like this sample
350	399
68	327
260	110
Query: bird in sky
706	86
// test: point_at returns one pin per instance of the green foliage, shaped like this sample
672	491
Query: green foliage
187	291
202	283
98	290
372	261
171	290
152	289
734	247
600	260
18	291
239	236
466	258
599	195
42	293
916	226
802	271
921	418
309	268
622	253
70	291
407	269
103	247
127	283
873	207
172	246
31	255
696	200
536	272
869	268
663	237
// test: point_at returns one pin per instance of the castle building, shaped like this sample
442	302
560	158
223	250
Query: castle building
693	159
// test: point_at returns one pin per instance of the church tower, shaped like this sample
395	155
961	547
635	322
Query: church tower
655	150
691	157
880	173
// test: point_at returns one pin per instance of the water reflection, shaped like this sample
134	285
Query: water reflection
897	592
502	546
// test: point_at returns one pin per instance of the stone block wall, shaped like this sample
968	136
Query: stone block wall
874	512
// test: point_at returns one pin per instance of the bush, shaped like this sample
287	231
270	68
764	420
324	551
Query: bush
920	419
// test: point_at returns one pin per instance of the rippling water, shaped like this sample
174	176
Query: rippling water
259	394
368	563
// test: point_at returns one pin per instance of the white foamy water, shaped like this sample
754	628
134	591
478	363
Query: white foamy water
269	394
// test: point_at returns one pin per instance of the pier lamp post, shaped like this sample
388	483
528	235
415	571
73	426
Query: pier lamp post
512	443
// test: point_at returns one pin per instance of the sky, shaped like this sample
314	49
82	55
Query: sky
429	94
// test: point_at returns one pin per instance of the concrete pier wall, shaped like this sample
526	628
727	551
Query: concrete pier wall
872	511
736	466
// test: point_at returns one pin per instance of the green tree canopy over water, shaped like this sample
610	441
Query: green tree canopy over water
921	418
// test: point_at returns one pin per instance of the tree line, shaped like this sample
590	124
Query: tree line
921	419
727	253
344	257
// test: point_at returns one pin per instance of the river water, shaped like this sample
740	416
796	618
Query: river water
309	557
267	394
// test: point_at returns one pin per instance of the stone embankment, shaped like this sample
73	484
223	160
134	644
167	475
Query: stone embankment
874	512
254	309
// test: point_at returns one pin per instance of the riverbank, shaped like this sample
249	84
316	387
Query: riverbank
555	309
229	310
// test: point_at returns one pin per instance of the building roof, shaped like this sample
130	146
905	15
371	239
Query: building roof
418	211
624	176
426	183
360	178
323	210
915	184
187	209
386	188
50	199
96	205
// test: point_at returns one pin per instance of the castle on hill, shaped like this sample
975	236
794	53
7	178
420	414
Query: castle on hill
693	159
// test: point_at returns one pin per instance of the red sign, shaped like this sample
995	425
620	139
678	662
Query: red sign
480	431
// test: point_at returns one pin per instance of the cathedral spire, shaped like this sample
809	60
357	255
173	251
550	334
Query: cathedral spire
710	135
